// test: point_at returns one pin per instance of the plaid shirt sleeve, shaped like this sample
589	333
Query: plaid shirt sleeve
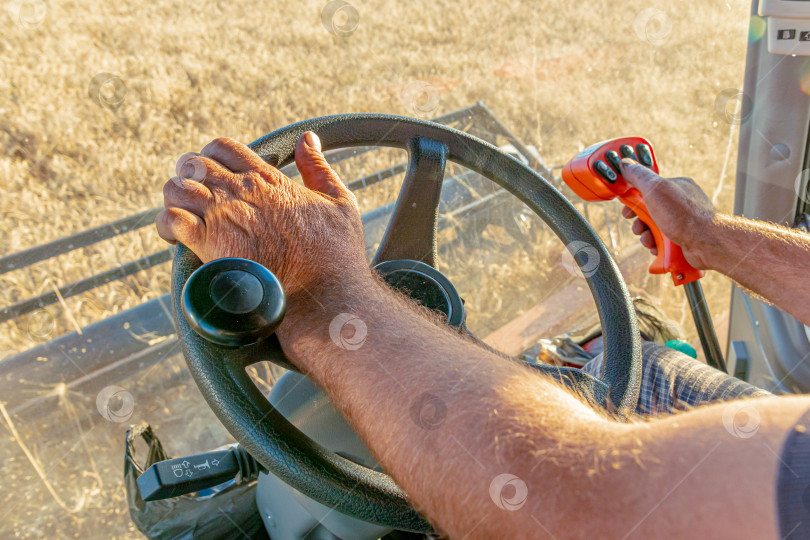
672	381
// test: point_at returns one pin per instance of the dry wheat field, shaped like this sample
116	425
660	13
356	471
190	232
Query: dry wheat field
98	99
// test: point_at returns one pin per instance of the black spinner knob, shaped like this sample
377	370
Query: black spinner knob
233	302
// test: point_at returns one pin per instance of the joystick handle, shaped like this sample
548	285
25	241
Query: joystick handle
594	174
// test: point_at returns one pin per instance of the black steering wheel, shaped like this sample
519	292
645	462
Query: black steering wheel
292	456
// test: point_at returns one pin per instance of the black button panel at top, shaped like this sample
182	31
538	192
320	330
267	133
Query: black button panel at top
604	171
644	155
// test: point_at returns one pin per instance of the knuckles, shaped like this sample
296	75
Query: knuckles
220	143
181	188
263	215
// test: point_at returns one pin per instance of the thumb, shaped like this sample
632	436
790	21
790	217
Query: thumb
638	176
315	170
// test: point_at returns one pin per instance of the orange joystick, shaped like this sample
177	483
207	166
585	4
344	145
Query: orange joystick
594	174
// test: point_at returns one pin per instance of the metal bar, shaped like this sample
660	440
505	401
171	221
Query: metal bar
447	219
93	382
522	148
377	177
78	287
73	355
39	253
57	429
704	326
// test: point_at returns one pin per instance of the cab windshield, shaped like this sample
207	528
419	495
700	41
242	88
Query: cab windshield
98	100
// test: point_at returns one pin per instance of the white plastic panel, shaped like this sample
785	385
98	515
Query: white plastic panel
788	26
792	9
287	513
789	36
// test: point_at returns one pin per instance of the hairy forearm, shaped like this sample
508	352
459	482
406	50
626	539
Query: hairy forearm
765	258
446	418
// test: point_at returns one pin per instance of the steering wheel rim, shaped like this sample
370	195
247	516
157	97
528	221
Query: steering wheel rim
292	456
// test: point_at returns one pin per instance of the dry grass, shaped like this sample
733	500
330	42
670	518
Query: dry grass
560	74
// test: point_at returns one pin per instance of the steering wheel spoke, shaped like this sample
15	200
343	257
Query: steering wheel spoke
411	233
269	349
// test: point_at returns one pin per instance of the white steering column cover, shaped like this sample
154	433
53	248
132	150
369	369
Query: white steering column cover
287	513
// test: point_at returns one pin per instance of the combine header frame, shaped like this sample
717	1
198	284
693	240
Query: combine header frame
133	340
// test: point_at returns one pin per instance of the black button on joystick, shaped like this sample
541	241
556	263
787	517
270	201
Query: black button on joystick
644	155
613	157
605	171
627	151
233	302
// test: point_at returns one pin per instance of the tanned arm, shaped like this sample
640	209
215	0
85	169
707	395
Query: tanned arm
768	259
571	472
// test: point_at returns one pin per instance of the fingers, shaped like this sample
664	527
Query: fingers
186	194
638	176
644	180
315	171
234	155
645	235
203	169
627	212
639	227
648	241
178	225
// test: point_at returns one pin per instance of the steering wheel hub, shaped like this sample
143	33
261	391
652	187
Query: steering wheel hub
236	291
426	285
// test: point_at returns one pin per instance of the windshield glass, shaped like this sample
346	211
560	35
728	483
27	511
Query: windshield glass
99	99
